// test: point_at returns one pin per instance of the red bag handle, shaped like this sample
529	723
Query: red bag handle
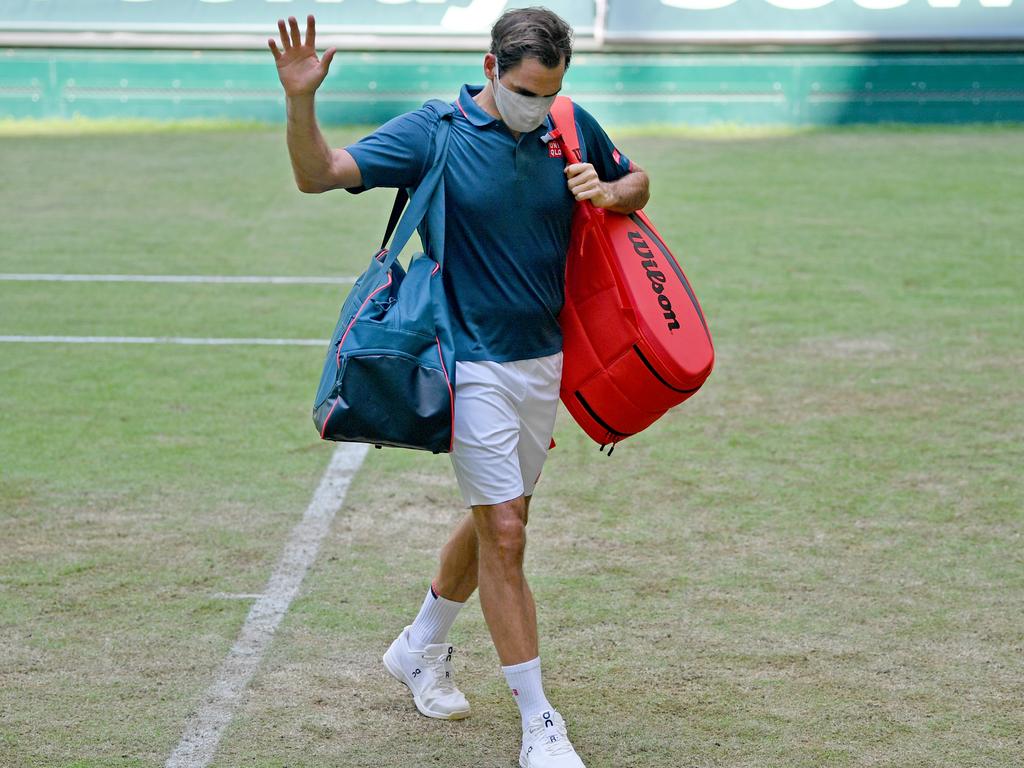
563	116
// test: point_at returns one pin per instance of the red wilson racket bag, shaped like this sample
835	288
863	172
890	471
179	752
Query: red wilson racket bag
635	339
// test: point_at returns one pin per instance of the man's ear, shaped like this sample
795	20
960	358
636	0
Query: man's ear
490	60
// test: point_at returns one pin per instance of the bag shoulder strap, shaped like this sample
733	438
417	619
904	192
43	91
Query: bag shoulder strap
401	198
563	116
403	226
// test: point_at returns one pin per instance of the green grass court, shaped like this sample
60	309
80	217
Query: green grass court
816	561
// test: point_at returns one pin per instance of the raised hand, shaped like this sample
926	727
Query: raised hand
298	67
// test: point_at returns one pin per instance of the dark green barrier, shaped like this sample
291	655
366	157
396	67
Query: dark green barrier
796	89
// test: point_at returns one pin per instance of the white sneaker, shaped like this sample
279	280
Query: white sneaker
430	677
546	745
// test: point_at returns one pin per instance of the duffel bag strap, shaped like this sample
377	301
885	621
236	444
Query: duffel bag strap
422	196
401	198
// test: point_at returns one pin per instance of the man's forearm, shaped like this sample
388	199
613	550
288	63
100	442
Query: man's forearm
630	193
311	157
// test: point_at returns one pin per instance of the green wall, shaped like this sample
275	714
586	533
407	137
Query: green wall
620	88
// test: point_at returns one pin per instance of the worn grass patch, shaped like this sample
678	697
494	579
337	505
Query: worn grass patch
816	561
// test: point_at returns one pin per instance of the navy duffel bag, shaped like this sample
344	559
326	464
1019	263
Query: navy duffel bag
389	376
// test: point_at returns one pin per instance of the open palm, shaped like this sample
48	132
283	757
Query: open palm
298	67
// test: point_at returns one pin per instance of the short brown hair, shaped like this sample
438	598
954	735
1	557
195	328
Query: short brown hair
531	33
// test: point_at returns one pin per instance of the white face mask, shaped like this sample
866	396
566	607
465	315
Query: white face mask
520	113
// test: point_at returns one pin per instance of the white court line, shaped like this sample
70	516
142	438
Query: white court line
205	728
257	279
163	340
239	596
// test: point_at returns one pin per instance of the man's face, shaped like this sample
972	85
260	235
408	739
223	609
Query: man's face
529	77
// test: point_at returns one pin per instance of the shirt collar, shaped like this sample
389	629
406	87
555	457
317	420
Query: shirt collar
480	118
473	111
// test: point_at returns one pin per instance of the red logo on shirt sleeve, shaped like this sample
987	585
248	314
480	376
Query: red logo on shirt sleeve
616	156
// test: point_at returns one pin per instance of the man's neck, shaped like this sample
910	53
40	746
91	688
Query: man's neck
485	100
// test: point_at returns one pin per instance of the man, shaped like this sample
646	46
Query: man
509	203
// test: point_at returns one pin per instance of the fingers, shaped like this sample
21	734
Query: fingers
589	192
273	48
581	175
584	182
579	168
291	37
325	62
597	194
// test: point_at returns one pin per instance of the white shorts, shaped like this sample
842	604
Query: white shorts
504	417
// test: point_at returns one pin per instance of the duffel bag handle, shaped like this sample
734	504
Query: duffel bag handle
420	201
401	198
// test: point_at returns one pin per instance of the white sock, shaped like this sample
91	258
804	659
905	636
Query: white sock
524	680
434	620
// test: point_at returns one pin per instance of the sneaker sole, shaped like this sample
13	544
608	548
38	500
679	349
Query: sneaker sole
522	762
396	672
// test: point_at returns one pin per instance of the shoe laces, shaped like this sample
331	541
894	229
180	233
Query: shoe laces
556	743
441	665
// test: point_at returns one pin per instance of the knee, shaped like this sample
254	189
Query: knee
507	542
501	530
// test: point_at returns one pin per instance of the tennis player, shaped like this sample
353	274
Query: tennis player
509	204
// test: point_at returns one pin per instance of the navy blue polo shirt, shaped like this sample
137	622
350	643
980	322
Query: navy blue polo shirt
508	219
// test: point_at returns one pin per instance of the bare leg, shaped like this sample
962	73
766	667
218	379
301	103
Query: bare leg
505	597
457	577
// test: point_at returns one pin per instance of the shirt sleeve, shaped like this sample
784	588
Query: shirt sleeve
609	163
398	153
